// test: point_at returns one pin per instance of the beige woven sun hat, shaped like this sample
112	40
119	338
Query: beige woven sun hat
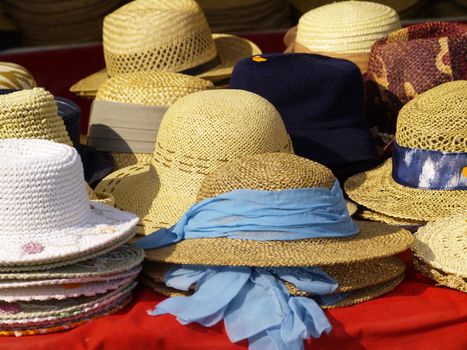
279	171
345	30
198	133
432	125
128	109
440	251
14	76
165	35
371	215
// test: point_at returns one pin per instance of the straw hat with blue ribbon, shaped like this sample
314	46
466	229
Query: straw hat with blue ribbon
272	210
427	176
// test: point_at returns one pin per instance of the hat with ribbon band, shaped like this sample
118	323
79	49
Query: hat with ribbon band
427	176
165	35
198	133
128	109
321	101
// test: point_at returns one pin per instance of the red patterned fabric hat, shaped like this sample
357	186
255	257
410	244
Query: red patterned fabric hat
410	61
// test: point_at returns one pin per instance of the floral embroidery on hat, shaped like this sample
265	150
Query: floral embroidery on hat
9	308
32	248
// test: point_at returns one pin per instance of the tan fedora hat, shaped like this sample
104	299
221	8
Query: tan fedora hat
279	171
198	133
128	109
345	30
421	182
165	35
440	251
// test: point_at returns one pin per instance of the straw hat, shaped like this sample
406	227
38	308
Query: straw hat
14	76
198	133
410	61
165	35
371	215
345	29
432	124
440	251
279	171
45	213
128	109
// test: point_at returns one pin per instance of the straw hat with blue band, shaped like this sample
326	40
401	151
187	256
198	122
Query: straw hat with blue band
236	221
427	176
168	35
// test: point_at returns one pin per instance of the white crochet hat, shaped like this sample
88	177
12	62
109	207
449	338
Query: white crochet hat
45	214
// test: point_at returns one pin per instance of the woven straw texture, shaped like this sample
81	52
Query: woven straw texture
440	277
346	27
45	214
435	120
147	88
409	62
14	76
370	215
279	171
198	133
166	35
113	263
442	244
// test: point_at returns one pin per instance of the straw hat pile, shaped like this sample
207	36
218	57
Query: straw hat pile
128	120
62	261
246	15
440	251
14	76
433	121
55	22
345	29
362	264
165	35
198	133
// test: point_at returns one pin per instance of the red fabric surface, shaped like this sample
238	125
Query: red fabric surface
416	315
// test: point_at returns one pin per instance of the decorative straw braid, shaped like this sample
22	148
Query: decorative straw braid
198	133
442	244
434	120
279	171
346	27
440	277
14	76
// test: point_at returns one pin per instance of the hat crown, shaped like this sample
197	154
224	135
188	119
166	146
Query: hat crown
157	35
14	76
150	88
346	27
269	172
42	186
31	114
436	119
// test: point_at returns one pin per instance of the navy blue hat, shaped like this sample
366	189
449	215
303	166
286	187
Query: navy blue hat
321	101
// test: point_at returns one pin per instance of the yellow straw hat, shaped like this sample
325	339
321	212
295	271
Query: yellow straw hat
128	109
345	29
440	251
165	35
198	133
14	76
432	125
370	215
33	114
279	171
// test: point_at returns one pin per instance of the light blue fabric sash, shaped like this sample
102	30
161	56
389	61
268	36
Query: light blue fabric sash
428	169
253	303
262	216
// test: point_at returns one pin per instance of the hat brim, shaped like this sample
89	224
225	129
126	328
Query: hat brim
230	49
370	215
104	227
376	190
440	277
375	240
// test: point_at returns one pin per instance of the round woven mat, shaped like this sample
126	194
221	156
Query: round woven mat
375	240
440	277
442	244
376	190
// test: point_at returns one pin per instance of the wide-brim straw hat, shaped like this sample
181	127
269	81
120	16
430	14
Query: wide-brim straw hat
279	171
40	224
173	36
440	250
198	133
371	215
128	109
434	120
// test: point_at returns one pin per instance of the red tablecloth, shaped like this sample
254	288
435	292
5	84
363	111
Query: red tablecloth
416	315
